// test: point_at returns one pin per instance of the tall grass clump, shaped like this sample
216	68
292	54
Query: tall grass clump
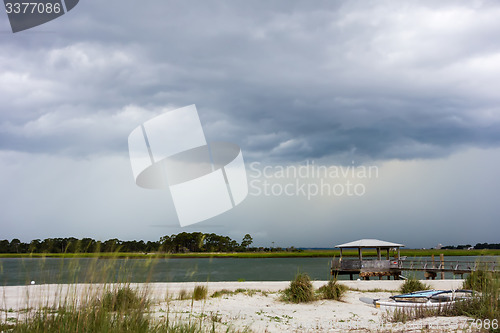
332	290
486	304
123	299
412	284
123	310
300	291
95	295
199	293
183	295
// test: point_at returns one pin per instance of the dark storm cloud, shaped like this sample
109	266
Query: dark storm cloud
287	80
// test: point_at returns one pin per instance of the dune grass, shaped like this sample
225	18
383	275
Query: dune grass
332	290
412	284
200	293
101	306
115	310
300	291
226	292
484	306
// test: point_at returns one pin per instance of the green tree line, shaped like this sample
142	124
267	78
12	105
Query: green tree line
180	243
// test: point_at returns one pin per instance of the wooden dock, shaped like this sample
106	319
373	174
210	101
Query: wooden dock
458	267
387	266
393	268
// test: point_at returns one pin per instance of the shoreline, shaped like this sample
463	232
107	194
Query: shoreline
253	305
249	255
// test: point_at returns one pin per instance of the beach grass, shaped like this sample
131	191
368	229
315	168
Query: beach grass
484	306
412	285
332	290
121	309
200	293
101	306
301	290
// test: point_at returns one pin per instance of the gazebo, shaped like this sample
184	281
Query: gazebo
369	267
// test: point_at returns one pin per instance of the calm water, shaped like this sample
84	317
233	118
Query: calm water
20	271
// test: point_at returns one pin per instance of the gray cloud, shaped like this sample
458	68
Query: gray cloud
373	82
288	80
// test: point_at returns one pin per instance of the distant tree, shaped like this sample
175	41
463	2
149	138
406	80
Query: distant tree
71	244
111	245
247	241
166	244
4	246
14	245
86	245
183	242
152	246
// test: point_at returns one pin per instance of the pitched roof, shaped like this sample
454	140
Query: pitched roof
372	243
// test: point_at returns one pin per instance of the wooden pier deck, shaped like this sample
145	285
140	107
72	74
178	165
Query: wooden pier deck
379	268
457	267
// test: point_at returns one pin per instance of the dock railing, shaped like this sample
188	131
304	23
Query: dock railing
457	266
405	264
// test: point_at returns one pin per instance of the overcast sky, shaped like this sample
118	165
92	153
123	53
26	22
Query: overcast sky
408	87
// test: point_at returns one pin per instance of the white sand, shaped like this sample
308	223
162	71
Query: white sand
260	311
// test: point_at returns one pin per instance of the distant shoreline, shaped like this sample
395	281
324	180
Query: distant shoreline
303	254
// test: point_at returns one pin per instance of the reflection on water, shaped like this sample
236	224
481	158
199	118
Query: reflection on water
20	271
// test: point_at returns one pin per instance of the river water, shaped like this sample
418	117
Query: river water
21	271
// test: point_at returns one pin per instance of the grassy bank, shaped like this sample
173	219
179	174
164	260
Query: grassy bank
305	254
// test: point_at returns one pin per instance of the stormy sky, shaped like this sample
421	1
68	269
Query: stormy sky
410	88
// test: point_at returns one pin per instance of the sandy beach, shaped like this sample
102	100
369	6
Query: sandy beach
255	306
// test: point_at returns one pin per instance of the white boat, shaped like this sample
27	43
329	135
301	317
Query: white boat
424	298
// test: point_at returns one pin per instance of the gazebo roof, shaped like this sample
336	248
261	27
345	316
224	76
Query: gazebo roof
370	243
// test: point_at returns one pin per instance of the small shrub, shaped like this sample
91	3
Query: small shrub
199	293
332	290
411	285
301	290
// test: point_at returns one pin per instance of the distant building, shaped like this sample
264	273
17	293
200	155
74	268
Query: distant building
439	246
